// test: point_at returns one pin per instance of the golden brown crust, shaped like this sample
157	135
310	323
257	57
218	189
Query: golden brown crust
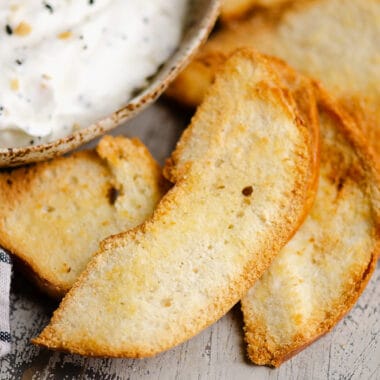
180	213
262	355
263	347
301	89
191	84
240	9
13	184
313	36
47	185
45	286
302	93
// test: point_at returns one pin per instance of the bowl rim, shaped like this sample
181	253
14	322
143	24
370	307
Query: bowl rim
195	34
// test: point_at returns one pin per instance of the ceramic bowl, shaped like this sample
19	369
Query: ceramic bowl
201	17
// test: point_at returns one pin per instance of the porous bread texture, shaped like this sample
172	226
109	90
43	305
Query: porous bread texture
322	271
303	99
54	214
235	203
335	41
234	9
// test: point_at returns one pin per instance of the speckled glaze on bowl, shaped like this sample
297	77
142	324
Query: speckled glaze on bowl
201	17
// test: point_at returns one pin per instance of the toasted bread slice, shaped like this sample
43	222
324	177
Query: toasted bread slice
54	214
232	208
322	271
316	37
302	91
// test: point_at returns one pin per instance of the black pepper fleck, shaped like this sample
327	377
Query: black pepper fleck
8	29
136	91
49	7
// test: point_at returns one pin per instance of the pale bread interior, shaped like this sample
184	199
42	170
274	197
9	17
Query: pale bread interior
54	214
335	41
322	271
233	207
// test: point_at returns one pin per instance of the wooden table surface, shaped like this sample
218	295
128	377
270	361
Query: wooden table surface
350	351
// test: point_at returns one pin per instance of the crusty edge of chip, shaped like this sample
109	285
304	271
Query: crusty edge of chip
242	11
362	149
26	265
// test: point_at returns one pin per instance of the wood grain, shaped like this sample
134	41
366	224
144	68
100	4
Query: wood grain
350	351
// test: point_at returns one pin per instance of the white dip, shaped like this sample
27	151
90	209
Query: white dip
65	64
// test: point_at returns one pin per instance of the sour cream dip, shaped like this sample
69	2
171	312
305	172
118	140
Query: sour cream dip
65	64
